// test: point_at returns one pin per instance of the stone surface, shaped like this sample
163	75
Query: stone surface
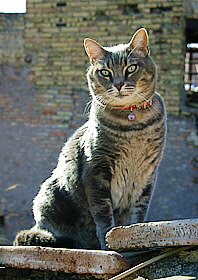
176	192
193	138
154	234
165	263
183	266
65	260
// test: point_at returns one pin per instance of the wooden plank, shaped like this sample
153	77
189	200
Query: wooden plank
154	234
66	260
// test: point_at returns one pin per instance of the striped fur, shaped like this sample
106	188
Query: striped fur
107	170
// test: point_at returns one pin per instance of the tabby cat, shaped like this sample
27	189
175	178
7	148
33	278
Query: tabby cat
106	171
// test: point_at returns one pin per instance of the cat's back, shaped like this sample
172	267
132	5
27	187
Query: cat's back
70	161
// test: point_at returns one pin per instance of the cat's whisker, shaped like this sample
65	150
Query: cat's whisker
147	100
97	99
154	115
101	101
109	90
87	108
157	110
143	98
129	88
153	105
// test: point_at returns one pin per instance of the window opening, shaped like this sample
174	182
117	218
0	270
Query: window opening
191	64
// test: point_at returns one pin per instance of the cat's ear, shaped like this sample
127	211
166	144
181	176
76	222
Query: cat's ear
94	50
140	41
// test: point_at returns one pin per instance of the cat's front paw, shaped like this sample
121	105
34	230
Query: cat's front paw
34	238
22	239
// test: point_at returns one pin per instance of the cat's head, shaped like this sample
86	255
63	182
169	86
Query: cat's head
122	75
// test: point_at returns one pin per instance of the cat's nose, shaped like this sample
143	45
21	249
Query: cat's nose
118	86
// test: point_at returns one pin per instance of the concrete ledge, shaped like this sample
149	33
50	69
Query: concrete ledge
66	260
154	234
184	263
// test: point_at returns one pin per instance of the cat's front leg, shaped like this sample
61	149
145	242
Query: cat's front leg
99	199
101	233
140	209
104	220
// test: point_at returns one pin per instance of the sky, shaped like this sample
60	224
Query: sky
12	6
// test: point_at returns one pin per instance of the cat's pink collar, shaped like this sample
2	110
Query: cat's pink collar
135	107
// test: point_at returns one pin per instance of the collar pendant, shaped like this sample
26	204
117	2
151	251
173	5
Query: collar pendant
131	116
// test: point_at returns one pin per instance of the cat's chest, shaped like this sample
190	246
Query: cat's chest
131	172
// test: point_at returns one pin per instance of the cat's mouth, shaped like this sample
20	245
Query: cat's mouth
124	98
122	95
125	92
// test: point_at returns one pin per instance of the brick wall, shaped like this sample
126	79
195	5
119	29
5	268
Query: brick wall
12	38
55	31
34	123
43	91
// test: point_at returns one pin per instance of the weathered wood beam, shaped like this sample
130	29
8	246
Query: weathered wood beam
154	234
66	260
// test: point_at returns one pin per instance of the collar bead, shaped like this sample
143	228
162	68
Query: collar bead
131	116
135	107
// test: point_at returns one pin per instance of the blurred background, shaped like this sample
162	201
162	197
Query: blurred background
43	93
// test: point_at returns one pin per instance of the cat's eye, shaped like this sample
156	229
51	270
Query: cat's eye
105	73
132	68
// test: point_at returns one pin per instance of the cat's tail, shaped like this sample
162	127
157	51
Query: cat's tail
43	238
